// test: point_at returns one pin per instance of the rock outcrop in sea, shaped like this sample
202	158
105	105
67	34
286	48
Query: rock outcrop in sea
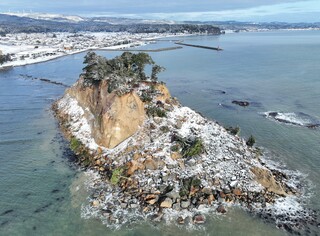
157	159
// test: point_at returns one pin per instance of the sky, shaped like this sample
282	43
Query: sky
201	10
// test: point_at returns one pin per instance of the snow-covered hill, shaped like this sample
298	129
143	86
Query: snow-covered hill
51	17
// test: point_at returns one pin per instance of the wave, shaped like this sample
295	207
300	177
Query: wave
288	213
293	118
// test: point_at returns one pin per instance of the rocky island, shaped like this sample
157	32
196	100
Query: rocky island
156	159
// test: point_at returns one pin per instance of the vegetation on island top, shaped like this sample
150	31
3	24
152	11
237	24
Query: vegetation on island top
116	175
251	141
129	68
233	130
123	74
188	185
156	111
189	146
74	144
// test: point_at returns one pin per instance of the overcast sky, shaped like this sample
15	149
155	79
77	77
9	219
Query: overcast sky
241	10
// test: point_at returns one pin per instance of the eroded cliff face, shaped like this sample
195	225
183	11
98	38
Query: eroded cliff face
112	118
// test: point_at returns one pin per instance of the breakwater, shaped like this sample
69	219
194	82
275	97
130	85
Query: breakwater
143	50
199	46
44	80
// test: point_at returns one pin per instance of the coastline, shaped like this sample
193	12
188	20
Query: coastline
294	147
4	67
123	47
115	47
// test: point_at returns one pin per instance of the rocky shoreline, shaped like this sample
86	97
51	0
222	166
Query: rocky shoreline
293	118
161	161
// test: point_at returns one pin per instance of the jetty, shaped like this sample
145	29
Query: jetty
199	46
141	50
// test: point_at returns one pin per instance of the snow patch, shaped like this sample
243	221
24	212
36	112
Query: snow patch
79	125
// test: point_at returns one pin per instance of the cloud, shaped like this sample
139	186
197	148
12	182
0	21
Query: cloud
204	10
134	6
266	12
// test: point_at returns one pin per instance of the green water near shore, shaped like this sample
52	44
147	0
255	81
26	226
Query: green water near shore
276	71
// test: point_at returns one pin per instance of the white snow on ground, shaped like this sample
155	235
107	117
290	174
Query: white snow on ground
219	161
226	159
47	16
39	47
80	127
286	205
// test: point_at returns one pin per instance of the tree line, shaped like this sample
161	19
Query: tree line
14	24
4	58
122	72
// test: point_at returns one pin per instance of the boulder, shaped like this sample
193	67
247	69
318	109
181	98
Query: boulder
151	196
267	180
134	206
167	107
221	209
241	103
157	120
95	203
134	166
167	203
173	195
176	206
180	220
222	194
211	198
237	192
150	164
185	204
207	191
226	190
313	126
175	155
157	217
178	124
152	201
136	156
199	219
234	183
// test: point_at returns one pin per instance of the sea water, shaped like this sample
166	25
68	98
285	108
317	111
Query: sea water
43	192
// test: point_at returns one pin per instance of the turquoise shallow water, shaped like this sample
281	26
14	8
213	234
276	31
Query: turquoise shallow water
42	192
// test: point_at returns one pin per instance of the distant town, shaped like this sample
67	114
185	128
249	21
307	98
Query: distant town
27	39
27	48
33	38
